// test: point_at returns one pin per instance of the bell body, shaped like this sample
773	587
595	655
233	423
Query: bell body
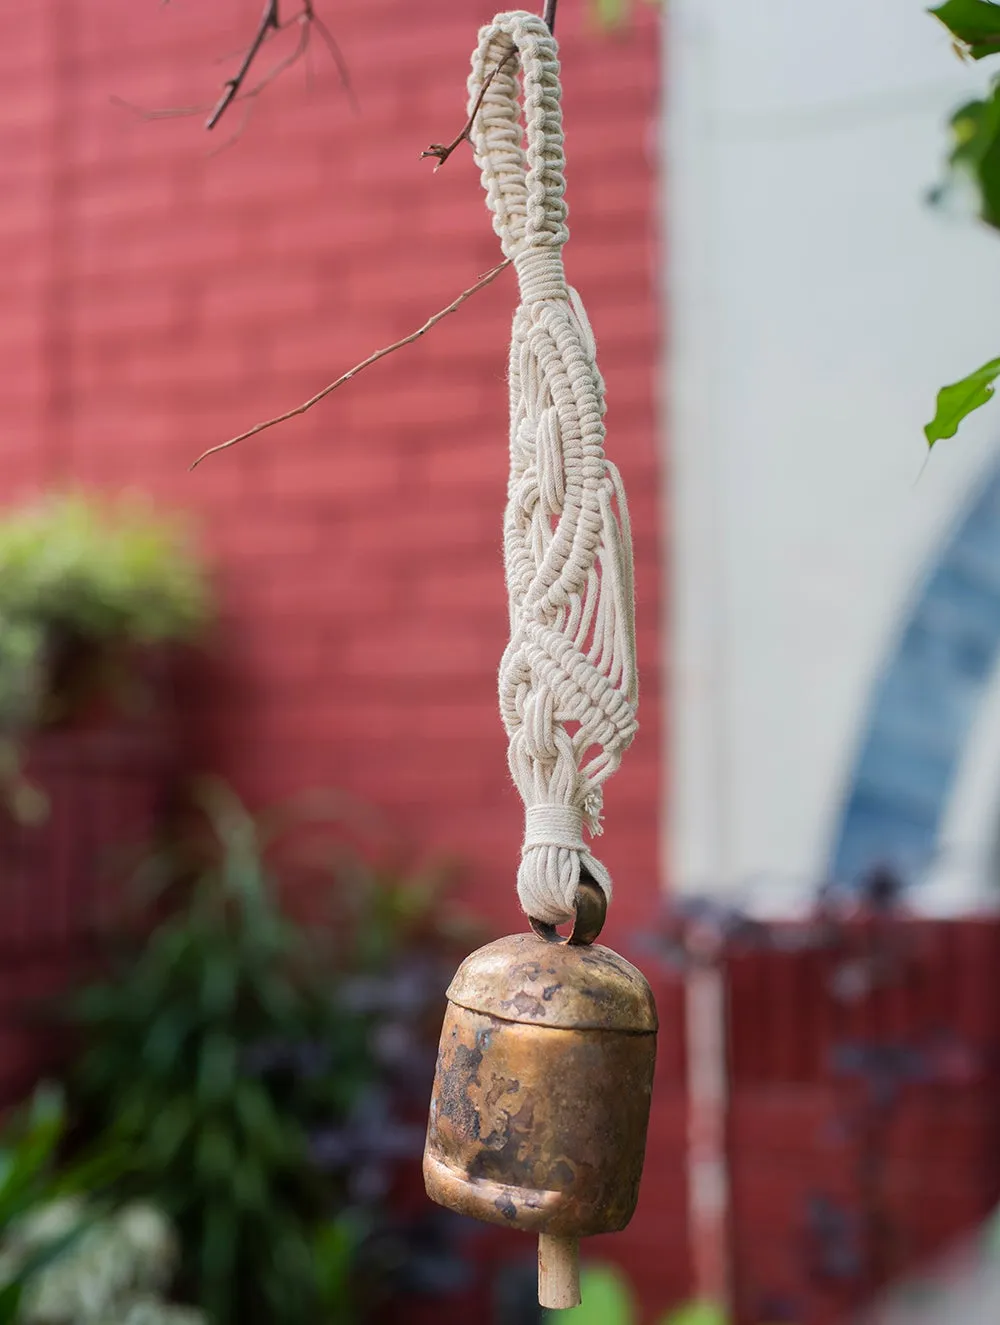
541	1097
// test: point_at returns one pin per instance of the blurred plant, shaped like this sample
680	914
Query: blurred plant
974	159
111	1269
32	1181
607	1299
696	1313
249	1065
83	582
90	570
27	1161
613	13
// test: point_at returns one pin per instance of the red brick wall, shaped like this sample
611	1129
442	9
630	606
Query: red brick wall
805	1126
158	298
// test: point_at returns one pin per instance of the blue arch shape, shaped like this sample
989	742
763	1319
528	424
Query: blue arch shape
924	703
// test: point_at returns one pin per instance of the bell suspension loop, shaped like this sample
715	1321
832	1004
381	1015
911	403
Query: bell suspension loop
541	1095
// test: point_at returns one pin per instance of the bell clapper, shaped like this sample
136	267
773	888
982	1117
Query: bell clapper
558	1271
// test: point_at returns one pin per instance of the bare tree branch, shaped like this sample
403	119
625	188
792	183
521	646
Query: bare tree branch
443	151
306	19
270	22
453	307
247	97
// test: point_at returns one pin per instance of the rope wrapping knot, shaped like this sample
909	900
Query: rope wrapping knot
568	684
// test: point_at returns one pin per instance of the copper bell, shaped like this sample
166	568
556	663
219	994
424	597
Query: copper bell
541	1096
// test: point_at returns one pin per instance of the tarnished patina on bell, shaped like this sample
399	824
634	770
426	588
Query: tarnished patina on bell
541	1097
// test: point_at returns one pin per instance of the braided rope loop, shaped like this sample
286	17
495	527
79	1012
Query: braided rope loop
568	685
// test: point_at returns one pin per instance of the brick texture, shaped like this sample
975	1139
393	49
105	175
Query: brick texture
160	295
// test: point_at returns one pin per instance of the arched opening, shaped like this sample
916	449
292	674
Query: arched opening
924	704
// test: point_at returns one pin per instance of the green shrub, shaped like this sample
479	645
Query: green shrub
231	1056
84	582
82	574
167	1073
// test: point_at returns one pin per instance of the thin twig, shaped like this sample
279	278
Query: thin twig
306	19
301	48
166	113
270	21
333	46
442	151
453	307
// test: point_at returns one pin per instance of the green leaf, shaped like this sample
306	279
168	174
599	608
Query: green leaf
10	1302
957	401
215	1155
606	1300
975	153
24	1163
335	1247
170	1129
974	23
217	1067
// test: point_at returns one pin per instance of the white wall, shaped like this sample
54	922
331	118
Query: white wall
816	304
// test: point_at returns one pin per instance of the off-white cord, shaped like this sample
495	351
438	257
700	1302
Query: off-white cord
568	685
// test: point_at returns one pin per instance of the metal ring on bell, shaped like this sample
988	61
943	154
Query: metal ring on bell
591	909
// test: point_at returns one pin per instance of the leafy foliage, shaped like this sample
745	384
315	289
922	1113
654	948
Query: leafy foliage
28	1153
100	571
27	1156
169	1072
607	1299
30	1180
957	401
975	153
81	582
975	157
241	1061
975	25
696	1313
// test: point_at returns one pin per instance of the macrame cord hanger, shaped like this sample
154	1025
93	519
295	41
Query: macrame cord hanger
568	684
541	1095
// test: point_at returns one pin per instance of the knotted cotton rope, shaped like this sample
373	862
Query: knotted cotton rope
568	686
